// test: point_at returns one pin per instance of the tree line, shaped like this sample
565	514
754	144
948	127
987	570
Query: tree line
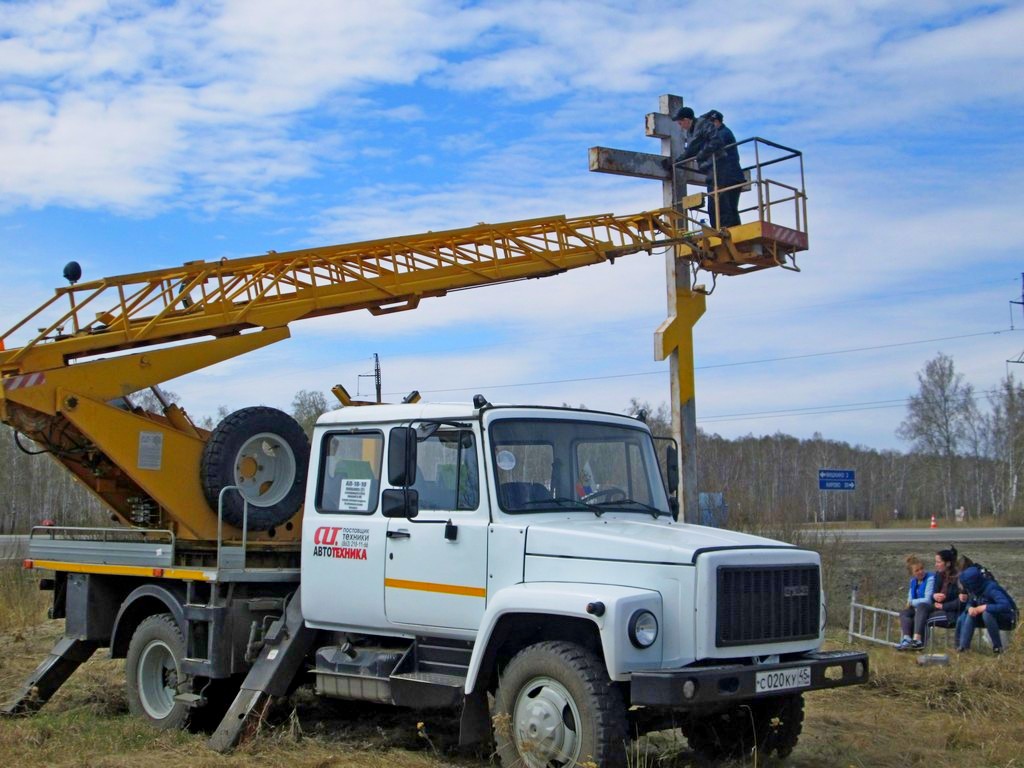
964	451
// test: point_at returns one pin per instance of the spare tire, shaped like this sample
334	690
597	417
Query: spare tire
265	453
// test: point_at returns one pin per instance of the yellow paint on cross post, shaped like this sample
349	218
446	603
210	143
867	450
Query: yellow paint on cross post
676	333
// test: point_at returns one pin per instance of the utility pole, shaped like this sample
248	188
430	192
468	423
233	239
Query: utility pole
1020	357
674	339
375	375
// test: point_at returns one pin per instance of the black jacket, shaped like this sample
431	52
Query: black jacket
951	606
711	147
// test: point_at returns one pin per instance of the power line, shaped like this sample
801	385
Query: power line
854	349
815	410
632	326
575	380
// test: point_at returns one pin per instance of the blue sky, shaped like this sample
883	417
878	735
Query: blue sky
139	135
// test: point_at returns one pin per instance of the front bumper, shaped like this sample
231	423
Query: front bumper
736	682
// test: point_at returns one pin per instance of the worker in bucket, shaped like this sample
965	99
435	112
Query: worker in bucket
714	147
684	117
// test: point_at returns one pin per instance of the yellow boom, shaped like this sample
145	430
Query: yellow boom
57	391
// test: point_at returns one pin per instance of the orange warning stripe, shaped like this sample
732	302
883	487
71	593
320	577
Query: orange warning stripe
428	586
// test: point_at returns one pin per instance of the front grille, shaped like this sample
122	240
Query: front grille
767	604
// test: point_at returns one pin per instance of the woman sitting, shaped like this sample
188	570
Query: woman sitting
947	604
988	605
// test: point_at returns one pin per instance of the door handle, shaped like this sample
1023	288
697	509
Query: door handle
399	534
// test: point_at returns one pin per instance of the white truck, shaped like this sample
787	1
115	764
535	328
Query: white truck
519	566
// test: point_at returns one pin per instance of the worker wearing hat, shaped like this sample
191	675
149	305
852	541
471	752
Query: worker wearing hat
713	146
684	117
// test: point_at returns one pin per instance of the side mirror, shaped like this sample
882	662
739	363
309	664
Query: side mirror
400	502
402	457
672	470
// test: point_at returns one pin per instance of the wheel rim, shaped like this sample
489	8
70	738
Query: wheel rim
265	469
157	679
547	724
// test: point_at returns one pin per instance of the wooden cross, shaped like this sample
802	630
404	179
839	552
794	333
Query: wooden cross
674	339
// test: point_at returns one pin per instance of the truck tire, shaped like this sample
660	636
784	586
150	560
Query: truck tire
555	706
770	725
265	453
153	672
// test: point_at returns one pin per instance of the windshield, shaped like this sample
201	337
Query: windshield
543	465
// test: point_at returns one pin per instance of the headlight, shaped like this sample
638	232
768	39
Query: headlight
643	629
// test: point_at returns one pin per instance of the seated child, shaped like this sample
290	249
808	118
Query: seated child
919	605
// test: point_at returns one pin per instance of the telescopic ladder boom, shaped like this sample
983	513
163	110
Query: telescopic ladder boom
64	389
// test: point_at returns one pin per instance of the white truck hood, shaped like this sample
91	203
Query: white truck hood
633	540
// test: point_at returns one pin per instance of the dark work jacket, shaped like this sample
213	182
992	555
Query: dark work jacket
988	592
707	144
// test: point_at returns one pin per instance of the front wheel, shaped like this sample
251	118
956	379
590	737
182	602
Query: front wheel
555	707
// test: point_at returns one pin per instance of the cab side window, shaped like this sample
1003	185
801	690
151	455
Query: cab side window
350	469
447	474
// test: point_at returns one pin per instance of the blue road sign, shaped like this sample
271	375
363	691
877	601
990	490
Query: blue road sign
837	480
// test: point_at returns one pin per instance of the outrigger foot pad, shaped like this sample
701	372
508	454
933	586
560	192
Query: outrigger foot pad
67	655
284	651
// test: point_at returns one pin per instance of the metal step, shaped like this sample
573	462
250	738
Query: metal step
450	653
427	690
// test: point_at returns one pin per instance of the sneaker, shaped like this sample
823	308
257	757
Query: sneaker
997	651
904	644
916	644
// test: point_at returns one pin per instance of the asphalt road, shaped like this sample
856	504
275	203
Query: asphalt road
938	535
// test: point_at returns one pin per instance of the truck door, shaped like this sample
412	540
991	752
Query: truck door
343	532
432	579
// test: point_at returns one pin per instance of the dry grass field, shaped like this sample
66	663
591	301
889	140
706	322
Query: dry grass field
970	713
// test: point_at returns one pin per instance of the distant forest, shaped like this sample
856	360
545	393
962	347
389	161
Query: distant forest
962	453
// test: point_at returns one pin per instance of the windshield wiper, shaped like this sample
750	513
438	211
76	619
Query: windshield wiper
654	511
564	501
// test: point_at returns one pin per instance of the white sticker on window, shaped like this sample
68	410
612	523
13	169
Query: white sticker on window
151	450
355	496
506	460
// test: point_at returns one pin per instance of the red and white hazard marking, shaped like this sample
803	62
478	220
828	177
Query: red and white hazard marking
21	382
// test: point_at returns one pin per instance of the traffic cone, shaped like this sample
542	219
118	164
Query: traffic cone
934	524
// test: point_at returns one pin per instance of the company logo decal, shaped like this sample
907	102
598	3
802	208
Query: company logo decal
801	591
336	543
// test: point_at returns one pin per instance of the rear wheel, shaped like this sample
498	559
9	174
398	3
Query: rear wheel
153	671
265	453
555	707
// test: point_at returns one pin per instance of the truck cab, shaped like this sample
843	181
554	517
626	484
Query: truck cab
531	554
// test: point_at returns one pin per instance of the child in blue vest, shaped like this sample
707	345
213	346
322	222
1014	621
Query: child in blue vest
988	605
919	605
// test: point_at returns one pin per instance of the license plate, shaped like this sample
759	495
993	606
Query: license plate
782	679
